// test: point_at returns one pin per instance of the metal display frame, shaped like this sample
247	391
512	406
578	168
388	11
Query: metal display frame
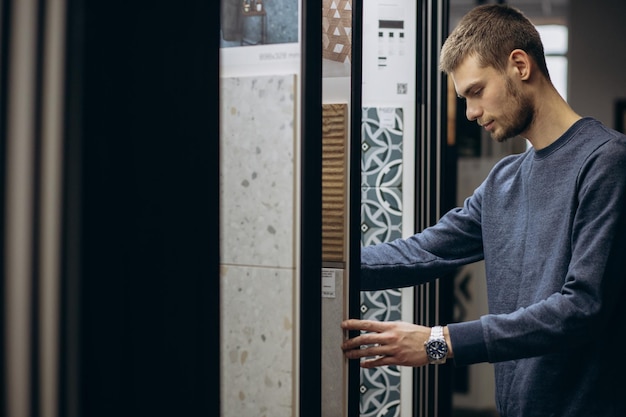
433	304
310	340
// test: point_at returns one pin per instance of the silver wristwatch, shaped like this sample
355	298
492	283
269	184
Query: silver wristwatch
436	346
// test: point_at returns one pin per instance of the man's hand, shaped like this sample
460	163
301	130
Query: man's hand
386	343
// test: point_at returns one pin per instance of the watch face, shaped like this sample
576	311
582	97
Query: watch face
436	349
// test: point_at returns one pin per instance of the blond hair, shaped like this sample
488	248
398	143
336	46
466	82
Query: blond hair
490	33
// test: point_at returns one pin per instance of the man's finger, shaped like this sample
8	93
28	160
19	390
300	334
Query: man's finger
363	325
362	340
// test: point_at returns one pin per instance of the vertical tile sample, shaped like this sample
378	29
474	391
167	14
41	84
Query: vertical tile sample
381	215
257	170
258	190
335	147
381	174
334	369
334	182
382	130
257	342
337	30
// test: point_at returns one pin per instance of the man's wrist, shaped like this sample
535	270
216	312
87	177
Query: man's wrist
446	336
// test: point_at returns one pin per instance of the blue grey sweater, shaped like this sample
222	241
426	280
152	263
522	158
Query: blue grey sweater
551	227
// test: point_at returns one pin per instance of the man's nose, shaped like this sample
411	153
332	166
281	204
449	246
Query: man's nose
472	112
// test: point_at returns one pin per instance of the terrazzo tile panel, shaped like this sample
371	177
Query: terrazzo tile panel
257	341
257	170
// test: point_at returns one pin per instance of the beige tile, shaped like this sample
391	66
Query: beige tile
257	170
257	341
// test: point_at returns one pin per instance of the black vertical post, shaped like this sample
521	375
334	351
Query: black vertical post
447	201
354	295
4	61
141	319
310	382
209	299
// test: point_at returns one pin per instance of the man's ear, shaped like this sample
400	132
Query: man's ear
521	63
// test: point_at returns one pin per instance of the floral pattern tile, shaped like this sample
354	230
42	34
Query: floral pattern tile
381	221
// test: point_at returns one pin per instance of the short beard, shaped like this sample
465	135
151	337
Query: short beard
523	117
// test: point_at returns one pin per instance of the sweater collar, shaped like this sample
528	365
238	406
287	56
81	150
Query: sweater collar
565	138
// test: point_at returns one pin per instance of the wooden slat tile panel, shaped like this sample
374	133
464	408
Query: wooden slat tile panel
334	180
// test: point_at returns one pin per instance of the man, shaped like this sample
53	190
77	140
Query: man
550	225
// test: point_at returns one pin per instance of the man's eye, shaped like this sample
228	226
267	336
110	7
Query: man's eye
477	92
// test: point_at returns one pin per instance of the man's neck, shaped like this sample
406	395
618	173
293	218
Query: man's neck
552	119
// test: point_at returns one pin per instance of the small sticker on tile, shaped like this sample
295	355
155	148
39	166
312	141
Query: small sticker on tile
328	284
387	117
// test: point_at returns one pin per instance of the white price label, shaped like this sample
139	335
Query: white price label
328	284
387	117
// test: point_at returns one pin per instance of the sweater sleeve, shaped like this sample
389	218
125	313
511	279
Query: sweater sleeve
454	241
468	342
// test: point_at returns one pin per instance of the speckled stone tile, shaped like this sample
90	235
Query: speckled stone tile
257	341
257	170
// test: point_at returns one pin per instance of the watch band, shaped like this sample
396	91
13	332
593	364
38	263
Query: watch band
436	332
